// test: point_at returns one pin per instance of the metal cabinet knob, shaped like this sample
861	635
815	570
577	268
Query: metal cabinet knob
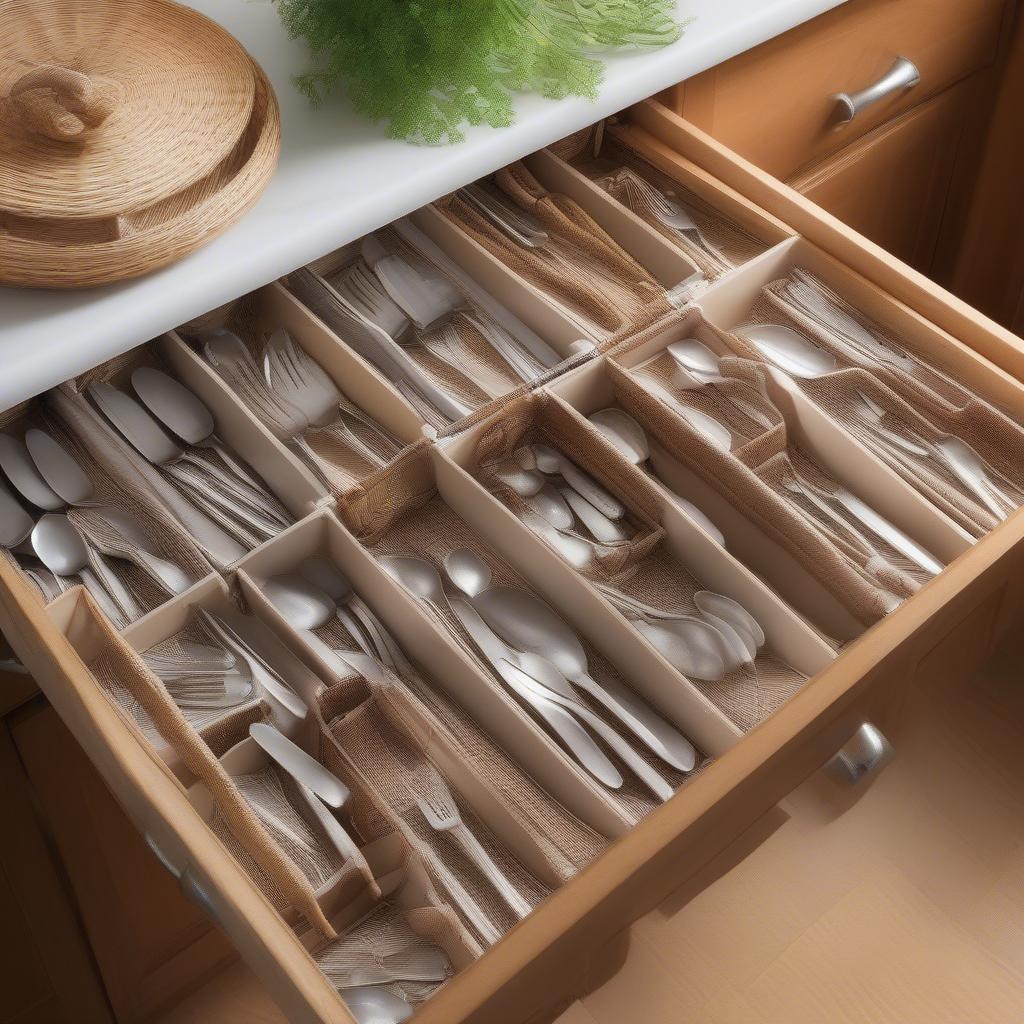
901	76
864	754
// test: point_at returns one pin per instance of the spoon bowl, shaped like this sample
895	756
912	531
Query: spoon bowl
370	1004
691	645
301	604
19	468
59	545
789	351
15	523
173	404
624	433
417	575
470	573
696	359
732	612
60	471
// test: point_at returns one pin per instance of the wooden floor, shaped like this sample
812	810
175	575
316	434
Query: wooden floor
906	906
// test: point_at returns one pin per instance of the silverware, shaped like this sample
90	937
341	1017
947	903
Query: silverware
59	470
435	801
183	412
791	352
307	770
17	464
62	550
289	707
373	1005
562	723
252	514
545	681
527	624
551	461
630	440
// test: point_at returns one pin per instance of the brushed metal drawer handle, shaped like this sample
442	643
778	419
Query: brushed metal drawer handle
864	754
901	76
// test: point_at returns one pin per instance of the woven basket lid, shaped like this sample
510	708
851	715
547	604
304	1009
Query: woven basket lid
131	131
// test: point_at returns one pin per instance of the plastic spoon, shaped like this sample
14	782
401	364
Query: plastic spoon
370	1004
630	439
19	468
791	352
15	523
551	461
696	359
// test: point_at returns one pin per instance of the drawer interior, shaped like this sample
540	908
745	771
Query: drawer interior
403	689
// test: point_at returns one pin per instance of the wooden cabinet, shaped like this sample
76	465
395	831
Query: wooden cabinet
150	943
46	971
776	106
893	184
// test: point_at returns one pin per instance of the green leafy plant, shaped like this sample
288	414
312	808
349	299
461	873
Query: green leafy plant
429	66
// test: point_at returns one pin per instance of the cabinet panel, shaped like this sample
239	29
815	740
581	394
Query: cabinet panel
151	944
775	104
892	185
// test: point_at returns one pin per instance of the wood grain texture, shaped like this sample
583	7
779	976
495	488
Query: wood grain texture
151	944
775	103
46	969
893	184
902	908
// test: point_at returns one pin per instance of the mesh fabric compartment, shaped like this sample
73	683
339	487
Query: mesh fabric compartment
580	267
769	508
220	728
920	404
640	568
269	865
403	515
336	459
735	244
116	486
453	353
391	769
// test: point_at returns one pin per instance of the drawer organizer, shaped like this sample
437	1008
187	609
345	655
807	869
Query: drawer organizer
737	546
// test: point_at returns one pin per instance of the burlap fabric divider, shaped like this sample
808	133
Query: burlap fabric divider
404	515
341	463
581	266
471	370
640	568
115	485
117	372
389	930
278	878
390	768
769	509
918	398
416	706
220	729
735	243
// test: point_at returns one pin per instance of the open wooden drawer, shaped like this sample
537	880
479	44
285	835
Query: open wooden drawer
549	958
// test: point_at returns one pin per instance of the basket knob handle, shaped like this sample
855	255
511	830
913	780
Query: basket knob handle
63	104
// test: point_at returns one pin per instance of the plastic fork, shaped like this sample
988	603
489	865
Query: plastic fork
438	807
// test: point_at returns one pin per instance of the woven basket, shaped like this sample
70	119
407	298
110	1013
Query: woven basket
131	132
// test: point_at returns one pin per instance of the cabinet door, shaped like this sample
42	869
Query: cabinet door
150	943
46	972
892	185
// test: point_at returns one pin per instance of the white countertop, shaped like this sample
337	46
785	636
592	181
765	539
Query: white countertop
338	178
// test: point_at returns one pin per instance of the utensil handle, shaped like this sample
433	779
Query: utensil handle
659	736
901	76
485	928
482	859
380	635
636	764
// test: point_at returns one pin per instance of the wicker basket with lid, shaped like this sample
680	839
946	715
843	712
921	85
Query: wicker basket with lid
131	132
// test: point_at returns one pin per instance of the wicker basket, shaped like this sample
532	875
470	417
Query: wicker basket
131	132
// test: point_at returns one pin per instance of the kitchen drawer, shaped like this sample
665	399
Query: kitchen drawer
776	104
552	955
892	185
